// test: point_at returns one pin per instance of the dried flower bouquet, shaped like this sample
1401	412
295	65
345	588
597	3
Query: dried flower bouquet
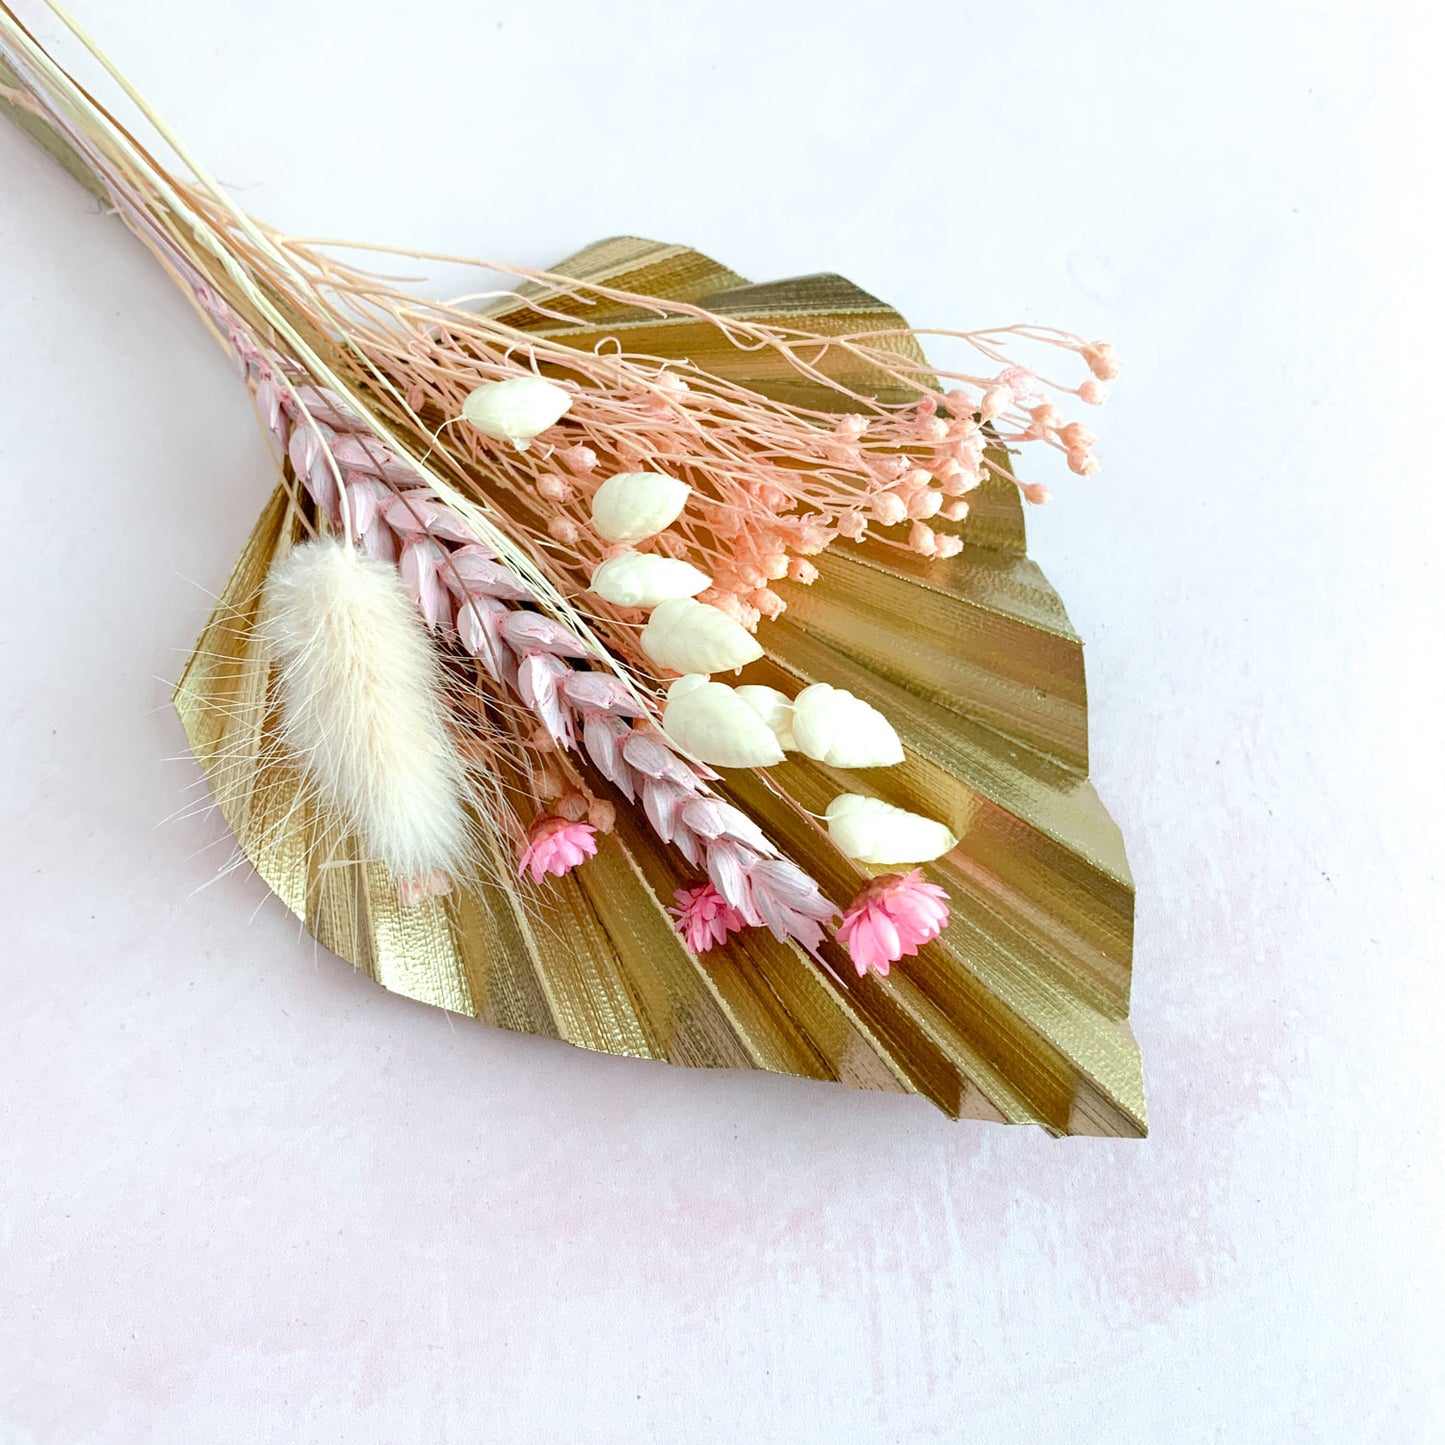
603	666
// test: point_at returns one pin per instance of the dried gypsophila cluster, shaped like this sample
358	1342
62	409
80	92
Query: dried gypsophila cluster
772	485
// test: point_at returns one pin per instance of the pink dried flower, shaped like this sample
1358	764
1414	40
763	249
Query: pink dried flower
581	459
573	807
894	915
556	845
563	530
811	537
727	602
968	453
923	539
924	504
775	566
768	603
1102	359
1093	392
889	509
704	917
1020	381
995	399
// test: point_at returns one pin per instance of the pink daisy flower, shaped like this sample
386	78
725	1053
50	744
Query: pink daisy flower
556	845
893	915
704	917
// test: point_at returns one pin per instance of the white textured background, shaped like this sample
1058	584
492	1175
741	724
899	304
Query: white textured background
247	1196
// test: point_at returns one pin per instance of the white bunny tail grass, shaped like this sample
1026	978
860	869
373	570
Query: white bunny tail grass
362	711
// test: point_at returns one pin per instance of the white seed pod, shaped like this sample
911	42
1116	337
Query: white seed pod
872	831
833	726
634	505
774	709
685	635
637	579
710	721
517	409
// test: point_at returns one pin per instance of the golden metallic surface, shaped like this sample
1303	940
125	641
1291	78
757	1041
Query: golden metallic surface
1018	1013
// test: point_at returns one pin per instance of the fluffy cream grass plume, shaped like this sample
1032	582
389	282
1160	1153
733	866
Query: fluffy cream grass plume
362	710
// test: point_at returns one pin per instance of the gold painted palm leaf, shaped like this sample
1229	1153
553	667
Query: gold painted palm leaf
1018	1013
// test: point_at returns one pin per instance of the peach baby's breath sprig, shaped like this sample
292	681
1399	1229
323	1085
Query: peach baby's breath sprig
772	485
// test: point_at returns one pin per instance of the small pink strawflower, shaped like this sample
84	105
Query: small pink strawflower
893	915
556	845
704	917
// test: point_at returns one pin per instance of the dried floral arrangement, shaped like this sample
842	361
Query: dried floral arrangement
649	659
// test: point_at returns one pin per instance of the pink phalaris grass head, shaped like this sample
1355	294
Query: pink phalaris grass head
894	915
556	845
704	917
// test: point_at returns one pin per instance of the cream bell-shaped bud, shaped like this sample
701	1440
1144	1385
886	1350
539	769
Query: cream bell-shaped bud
517	409
637	579
710	721
833	726
634	505
872	831
774	709
689	636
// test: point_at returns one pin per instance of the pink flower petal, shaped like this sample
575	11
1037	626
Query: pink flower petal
703	917
893	916
555	846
